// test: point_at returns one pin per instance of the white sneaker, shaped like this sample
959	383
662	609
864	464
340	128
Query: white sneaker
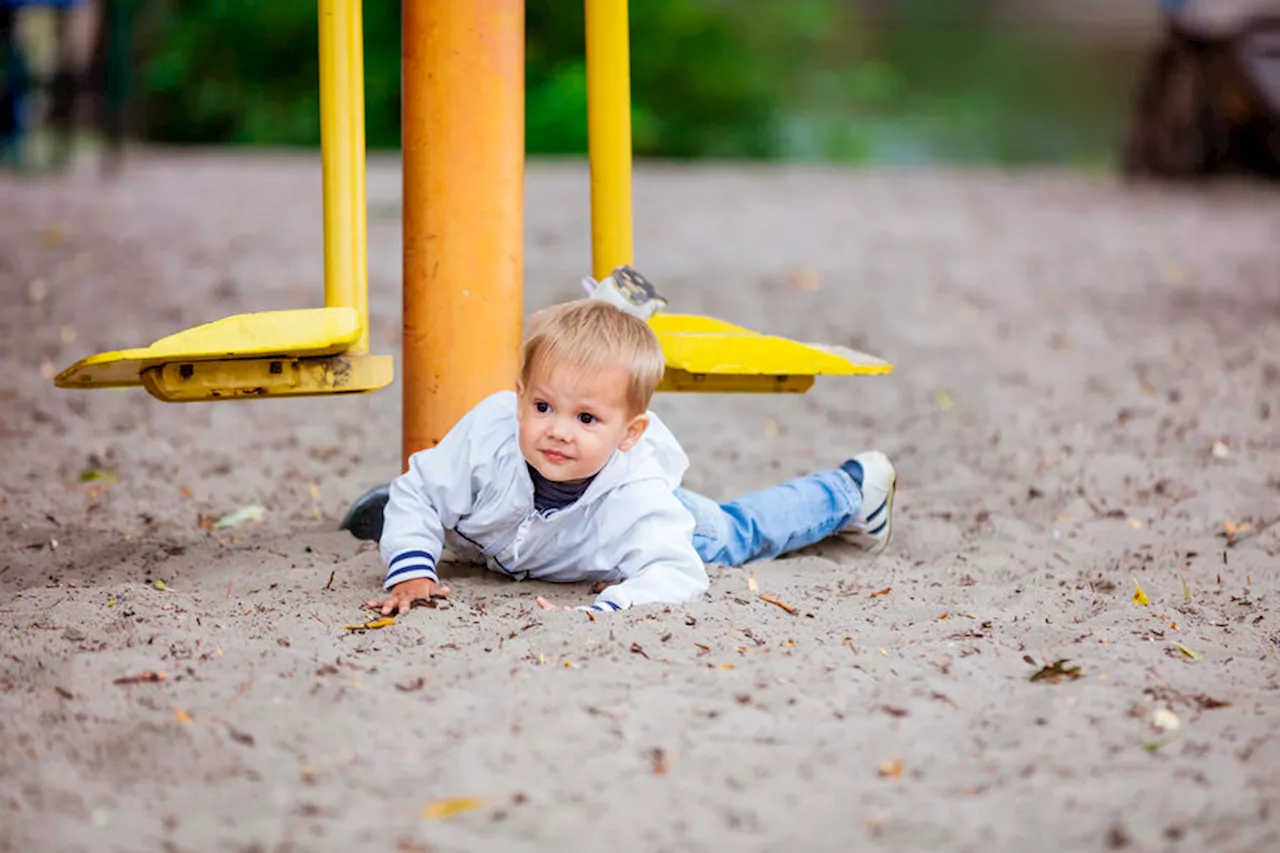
873	524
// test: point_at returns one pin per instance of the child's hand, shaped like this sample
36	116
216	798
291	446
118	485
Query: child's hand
401	597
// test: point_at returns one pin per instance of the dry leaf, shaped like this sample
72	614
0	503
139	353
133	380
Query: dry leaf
1186	651
890	769
880	592
1139	597
805	280
659	758
181	716
1056	671
376	623
447	808
1165	720
252	512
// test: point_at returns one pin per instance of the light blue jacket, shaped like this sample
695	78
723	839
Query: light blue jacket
473	493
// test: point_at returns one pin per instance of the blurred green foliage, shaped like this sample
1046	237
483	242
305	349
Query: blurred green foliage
802	79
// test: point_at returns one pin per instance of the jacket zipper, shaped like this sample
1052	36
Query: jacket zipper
502	543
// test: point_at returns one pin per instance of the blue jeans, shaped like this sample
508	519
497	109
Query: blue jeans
764	524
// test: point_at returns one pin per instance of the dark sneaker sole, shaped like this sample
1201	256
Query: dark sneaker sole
364	519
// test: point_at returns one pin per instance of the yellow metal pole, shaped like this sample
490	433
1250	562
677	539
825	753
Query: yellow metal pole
463	149
342	160
609	134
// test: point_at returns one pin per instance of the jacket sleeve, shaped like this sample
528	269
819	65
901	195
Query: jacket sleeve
654	553
428	499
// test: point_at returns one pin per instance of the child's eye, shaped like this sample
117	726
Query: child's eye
542	406
587	418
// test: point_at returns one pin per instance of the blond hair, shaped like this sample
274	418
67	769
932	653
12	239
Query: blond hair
588	335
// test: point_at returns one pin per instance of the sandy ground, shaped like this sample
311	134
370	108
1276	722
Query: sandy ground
1087	393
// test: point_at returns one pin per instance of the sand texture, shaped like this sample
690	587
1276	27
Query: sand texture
1087	394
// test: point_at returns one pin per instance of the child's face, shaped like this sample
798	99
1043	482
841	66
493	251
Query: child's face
571	422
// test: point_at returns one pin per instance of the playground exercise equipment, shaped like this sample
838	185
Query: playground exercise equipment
284	353
463	155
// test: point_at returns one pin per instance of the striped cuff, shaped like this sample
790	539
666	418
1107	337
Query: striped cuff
409	565
607	607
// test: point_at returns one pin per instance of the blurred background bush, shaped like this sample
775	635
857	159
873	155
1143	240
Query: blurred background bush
863	81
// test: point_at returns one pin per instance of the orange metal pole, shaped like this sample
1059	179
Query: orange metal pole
463	149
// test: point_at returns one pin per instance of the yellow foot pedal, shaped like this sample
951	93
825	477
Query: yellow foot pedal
245	378
295	334
709	355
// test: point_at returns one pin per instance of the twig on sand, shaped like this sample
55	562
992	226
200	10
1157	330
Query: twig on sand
777	602
141	678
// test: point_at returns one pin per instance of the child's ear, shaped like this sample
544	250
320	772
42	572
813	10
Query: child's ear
635	430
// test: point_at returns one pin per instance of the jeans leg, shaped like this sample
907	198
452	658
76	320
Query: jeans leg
773	521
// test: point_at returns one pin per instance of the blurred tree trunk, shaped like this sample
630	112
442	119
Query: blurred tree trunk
1208	104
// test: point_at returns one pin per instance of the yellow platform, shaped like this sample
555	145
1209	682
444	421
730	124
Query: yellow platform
304	352
710	355
272	353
